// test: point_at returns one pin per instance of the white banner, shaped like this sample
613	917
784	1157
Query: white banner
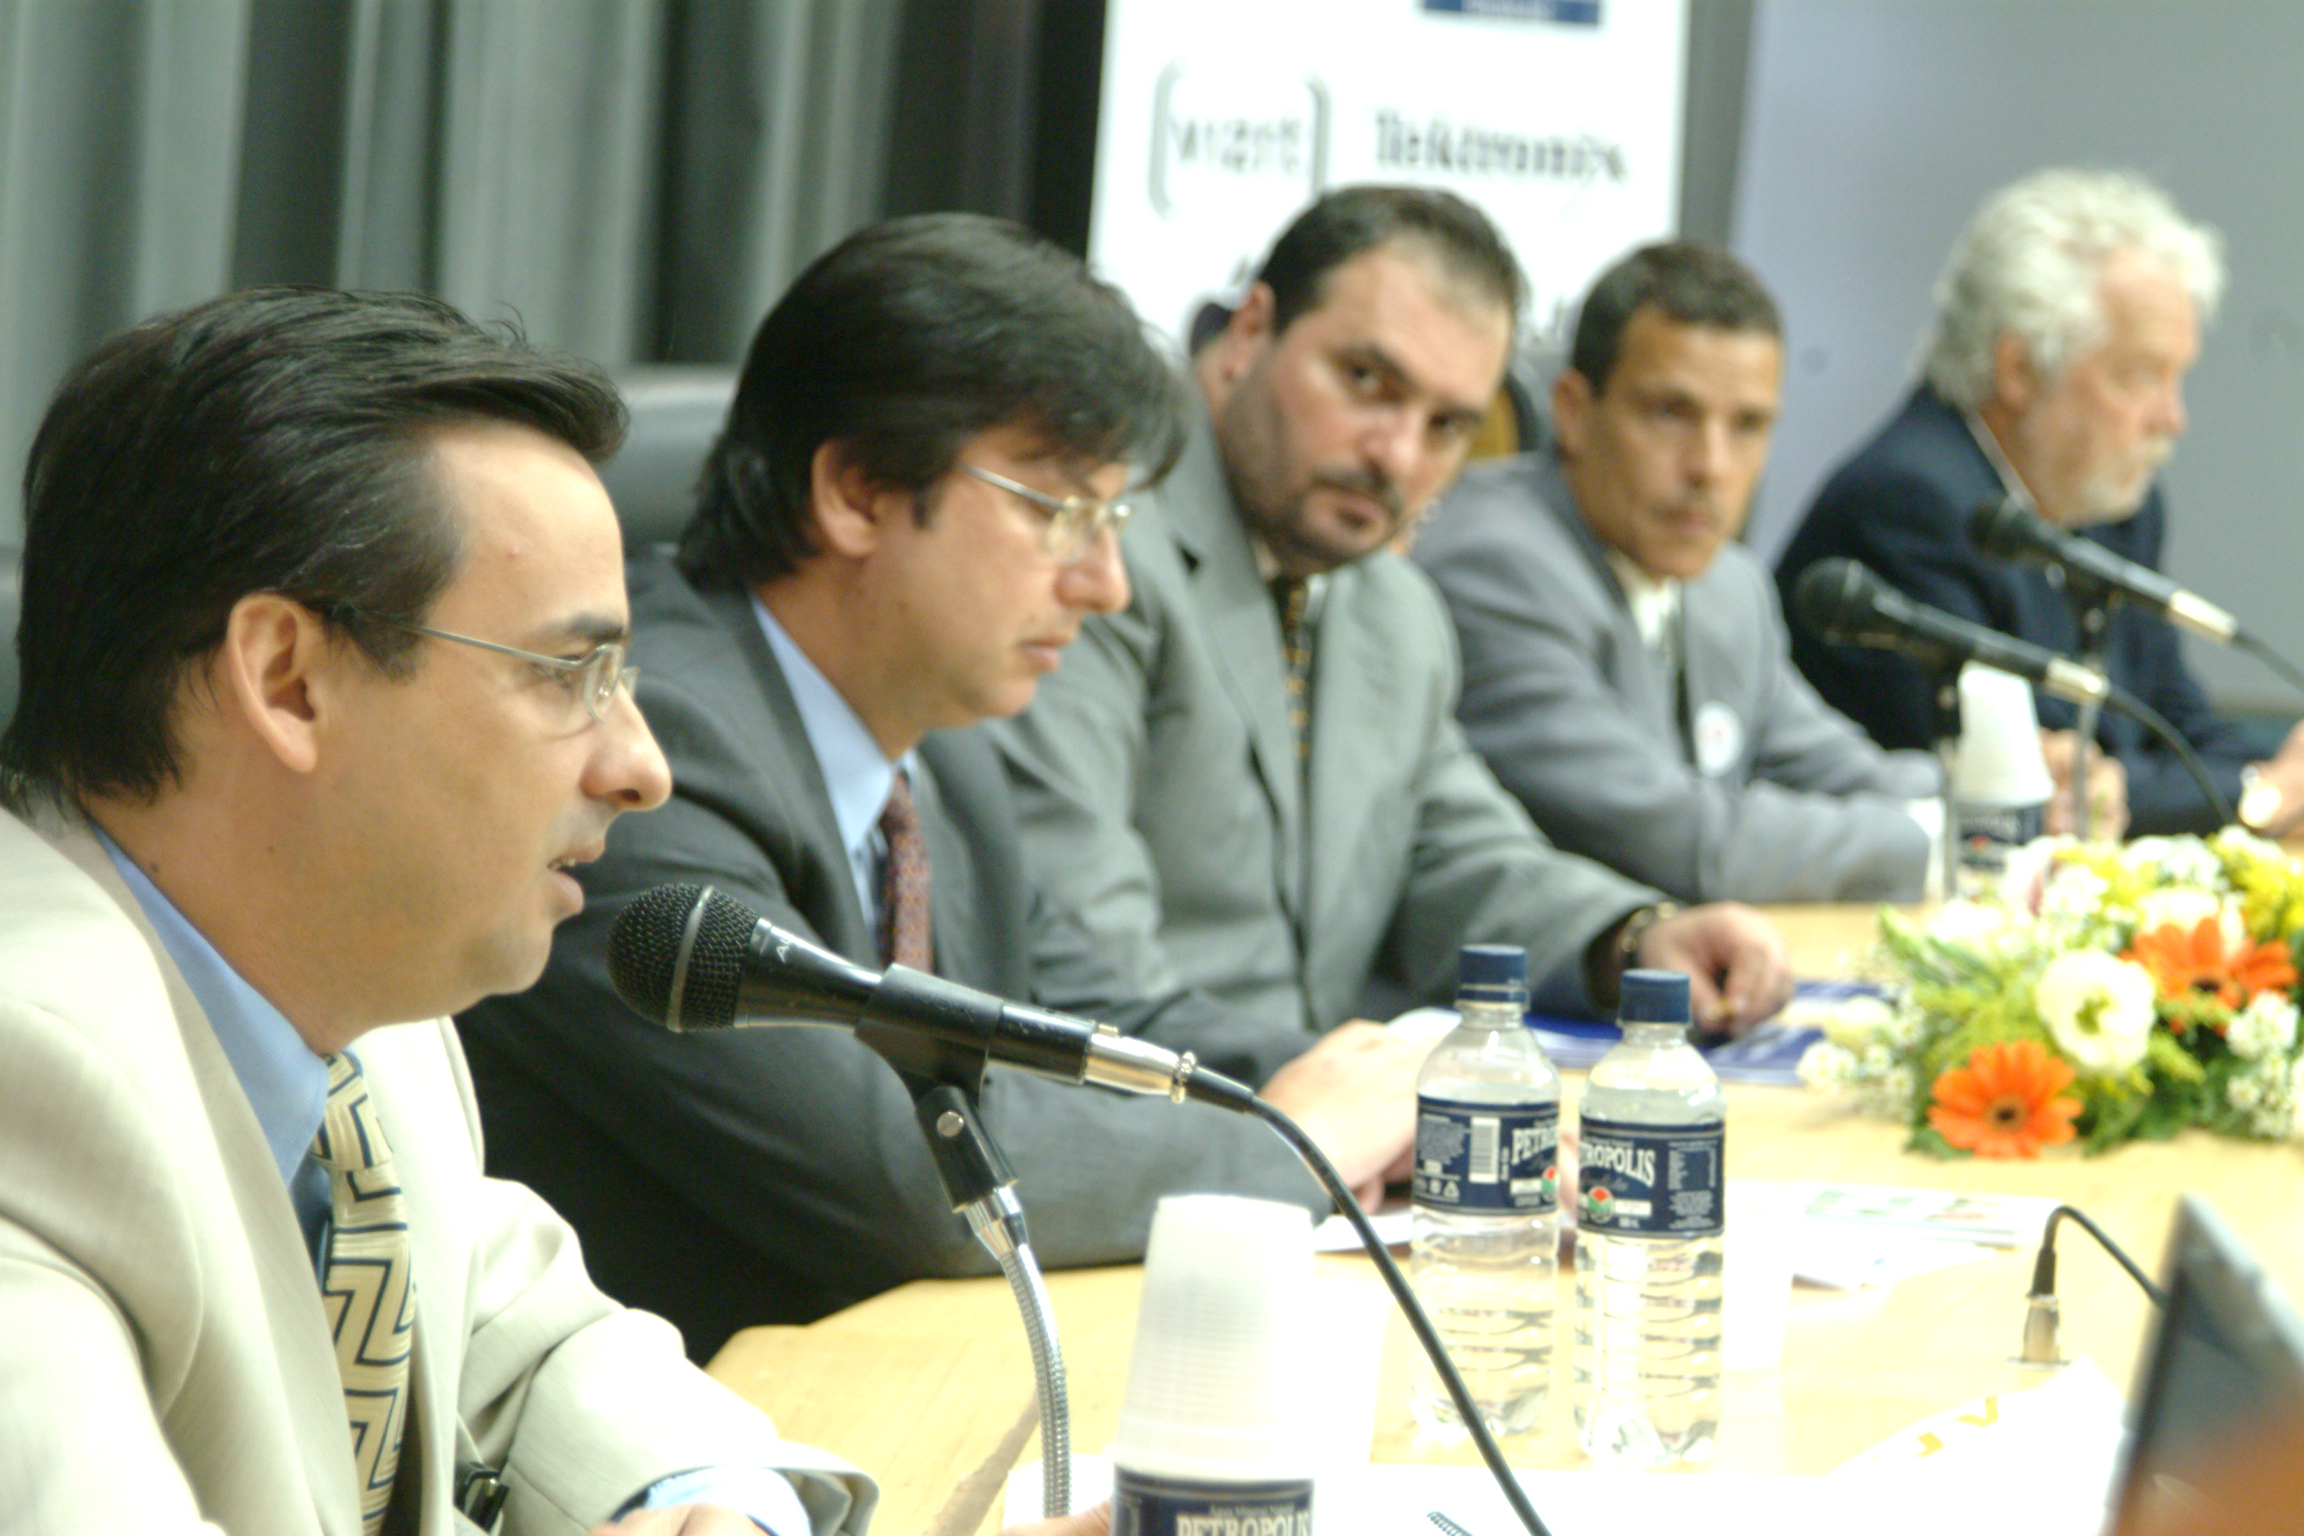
1222	118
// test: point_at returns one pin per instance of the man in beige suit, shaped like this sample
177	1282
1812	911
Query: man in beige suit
323	690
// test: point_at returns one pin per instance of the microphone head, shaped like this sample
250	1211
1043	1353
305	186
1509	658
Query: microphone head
1839	601
676	956
2008	530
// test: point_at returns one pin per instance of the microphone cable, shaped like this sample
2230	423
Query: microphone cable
2040	1317
1215	1088
2272	659
2153	721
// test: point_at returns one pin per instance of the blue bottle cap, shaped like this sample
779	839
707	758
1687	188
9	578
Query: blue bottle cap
1654	997
1493	973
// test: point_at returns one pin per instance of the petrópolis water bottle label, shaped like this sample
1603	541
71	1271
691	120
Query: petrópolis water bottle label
1176	1506
1639	1180
1487	1157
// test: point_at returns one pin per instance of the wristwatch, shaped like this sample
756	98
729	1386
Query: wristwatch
2260	800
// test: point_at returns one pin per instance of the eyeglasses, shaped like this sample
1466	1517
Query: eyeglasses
1074	522
594	678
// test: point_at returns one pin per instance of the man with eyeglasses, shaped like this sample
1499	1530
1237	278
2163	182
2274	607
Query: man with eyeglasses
322	699
911	511
1251	781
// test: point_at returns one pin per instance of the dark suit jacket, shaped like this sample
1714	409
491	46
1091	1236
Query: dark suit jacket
775	1175
1901	506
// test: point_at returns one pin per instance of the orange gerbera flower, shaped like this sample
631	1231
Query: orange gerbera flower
2187	965
2009	1101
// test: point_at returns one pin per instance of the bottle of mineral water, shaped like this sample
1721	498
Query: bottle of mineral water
1649	1219
1487	1184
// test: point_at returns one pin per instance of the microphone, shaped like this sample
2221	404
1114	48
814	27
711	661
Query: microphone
689	958
2009	530
1843	602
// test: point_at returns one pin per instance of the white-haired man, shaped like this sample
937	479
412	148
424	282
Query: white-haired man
2067	317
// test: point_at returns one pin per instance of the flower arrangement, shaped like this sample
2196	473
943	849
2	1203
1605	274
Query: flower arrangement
2103	993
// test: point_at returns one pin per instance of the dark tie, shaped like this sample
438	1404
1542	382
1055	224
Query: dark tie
1291	594
904	882
367	1284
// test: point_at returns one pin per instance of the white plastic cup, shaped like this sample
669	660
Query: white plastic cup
1999	761
1213	1422
1216	1382
2000	782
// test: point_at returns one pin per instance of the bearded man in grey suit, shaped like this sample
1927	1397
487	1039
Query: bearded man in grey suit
323	692
907	517
1626	668
1251	779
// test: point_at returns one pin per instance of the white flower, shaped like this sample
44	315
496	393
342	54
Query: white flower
2183	907
1973	924
1850	1021
2031	869
2245	1090
2177	860
2296	1094
2098	1007
1825	1065
2073	897
2266	1027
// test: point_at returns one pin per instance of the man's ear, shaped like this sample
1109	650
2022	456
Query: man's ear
1571	410
1244	336
2015	381
849	506
274	674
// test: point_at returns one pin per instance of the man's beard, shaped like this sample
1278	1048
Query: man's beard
2111	495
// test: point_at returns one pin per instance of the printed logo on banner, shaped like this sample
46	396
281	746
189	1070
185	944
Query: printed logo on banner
1434	145
1572	13
1224	138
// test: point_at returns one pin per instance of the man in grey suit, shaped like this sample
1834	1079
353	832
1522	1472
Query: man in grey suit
323	693
1626	669
1251	780
908	516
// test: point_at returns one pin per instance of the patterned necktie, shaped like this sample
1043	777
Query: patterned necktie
1296	649
904	882
367	1284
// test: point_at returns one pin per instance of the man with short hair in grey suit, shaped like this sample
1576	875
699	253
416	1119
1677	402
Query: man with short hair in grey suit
1251	780
910	512
1626	668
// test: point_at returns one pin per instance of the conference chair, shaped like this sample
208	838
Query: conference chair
676	414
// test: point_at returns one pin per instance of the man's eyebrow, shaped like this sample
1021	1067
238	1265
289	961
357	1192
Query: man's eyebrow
1374	355
592	630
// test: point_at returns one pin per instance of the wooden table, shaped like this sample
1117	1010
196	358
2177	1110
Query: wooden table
930	1386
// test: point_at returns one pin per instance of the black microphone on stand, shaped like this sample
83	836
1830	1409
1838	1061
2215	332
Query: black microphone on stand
1843	602
691	958
2009	530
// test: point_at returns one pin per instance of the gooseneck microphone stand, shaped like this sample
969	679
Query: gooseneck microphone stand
2092	618
982	1189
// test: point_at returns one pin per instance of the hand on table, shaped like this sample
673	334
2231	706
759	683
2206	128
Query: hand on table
1354	1093
1739	971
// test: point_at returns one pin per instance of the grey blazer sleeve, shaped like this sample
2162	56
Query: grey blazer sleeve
1562	705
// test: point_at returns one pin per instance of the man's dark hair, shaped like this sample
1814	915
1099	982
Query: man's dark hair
904	342
274	440
1350	220
1692	284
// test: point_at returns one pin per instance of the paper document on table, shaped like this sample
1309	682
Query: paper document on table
2046	1454
1393	1228
2002	1221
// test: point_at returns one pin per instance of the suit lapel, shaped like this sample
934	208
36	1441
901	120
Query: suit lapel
1651	697
1243	634
288	1286
790	770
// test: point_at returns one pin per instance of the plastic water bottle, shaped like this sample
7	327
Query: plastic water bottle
1487	1193
1649	1217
